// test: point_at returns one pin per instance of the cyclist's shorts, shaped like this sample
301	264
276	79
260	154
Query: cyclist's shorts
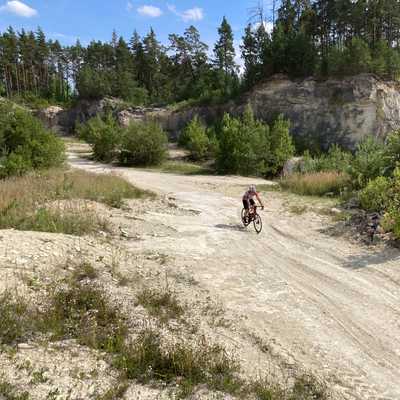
247	203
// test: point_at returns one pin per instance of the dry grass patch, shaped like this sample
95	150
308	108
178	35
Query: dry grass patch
316	184
24	201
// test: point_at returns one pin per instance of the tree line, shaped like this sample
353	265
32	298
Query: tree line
322	38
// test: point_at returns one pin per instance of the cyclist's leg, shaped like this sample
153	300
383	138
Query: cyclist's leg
252	205
246	206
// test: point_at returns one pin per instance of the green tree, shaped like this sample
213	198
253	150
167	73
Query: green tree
224	52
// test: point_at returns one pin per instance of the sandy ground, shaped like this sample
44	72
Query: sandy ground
324	302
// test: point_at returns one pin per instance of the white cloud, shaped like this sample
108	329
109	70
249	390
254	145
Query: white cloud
18	8
129	6
149	11
192	14
269	26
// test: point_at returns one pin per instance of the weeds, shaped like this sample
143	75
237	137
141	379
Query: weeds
115	393
316	184
81	311
147	359
161	304
16	323
84	271
8	392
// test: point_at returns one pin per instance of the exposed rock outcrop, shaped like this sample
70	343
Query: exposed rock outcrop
321	112
332	111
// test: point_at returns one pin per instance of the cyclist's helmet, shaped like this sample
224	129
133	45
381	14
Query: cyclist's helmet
252	189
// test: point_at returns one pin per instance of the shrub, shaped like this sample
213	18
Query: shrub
195	139
25	144
243	145
335	160
392	216
368	162
104	134
143	144
392	153
375	196
316	184
281	145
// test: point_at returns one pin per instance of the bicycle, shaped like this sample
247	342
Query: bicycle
253	217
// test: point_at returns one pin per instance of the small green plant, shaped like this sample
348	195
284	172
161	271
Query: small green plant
8	392
161	304
84	271
16	324
82	311
376	195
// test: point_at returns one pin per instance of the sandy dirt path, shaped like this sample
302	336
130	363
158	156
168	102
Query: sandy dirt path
329	304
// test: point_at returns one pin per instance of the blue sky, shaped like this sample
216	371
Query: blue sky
67	20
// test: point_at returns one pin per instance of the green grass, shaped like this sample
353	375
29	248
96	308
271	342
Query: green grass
8	392
81	311
161	304
183	168
16	322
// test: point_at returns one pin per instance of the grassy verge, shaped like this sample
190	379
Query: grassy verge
316	184
24	201
78	308
183	168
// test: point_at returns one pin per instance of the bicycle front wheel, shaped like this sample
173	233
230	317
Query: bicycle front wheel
257	224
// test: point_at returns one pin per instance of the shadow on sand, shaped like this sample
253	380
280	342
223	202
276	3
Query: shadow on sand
231	227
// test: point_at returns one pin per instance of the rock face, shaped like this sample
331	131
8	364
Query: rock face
332	111
56	119
321	112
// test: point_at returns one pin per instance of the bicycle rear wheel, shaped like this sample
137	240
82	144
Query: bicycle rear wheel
245	220
258	224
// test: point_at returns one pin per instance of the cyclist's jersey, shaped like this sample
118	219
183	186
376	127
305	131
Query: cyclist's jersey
249	195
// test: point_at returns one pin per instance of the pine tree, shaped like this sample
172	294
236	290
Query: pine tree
224	53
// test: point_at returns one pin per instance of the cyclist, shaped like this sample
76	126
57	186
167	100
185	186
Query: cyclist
248	200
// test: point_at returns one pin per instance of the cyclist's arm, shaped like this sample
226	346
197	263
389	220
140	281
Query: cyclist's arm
259	200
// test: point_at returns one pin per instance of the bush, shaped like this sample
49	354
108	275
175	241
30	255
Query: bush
392	216
243	145
249	147
195	139
25	144
375	196
143	144
104	134
368	162
281	145
392	152
316	184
